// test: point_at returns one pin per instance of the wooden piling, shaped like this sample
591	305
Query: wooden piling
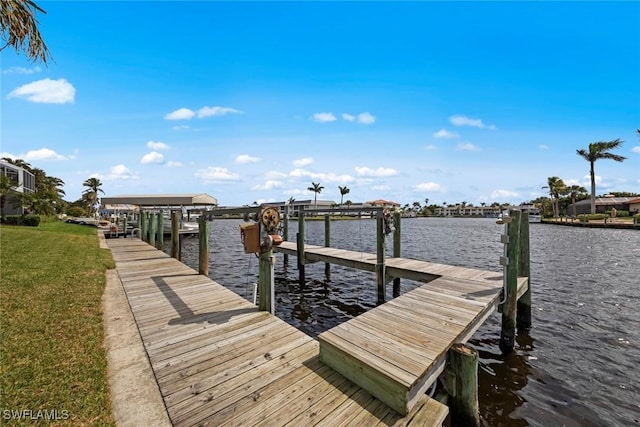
508	332
124	226
327	244
462	385
265	281
396	250
523	316
143	226
175	235
285	232
203	240
300	246
380	255
160	232
152	229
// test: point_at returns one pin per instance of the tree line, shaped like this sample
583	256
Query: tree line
47	199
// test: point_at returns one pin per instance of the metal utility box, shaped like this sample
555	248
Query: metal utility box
250	234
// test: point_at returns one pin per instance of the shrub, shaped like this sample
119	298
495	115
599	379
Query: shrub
31	220
592	217
75	211
623	214
13	220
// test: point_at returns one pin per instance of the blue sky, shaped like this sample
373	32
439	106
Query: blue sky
451	101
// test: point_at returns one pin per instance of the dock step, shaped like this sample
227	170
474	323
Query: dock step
397	350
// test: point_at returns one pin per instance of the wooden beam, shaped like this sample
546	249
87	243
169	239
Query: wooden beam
462	385
175	235
397	246
508	332
203	246
523	318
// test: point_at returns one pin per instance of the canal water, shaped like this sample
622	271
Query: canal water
578	366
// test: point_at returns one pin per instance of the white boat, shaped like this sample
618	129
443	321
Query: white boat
188	227
534	214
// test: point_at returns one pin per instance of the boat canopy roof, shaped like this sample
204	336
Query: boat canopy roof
149	200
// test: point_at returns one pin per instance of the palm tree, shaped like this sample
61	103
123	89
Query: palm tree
343	191
20	29
555	186
316	188
573	191
91	193
596	151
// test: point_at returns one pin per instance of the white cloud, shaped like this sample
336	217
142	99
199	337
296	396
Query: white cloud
181	127
216	111
46	91
430	147
43	154
324	117
157	146
366	171
119	172
246	158
322	177
21	70
173	164
636	149
268	185
429	186
543	147
275	175
180	114
467	147
348	117
504	194
445	134
152	157
305	161
381	187
460	120
366	118
216	174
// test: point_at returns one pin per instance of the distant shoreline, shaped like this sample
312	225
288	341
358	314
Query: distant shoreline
594	224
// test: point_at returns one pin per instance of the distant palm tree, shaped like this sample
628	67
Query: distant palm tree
556	186
596	151
343	191
316	188
573	191
90	195
20	29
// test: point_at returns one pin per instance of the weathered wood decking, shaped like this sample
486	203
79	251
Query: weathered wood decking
398	349
220	361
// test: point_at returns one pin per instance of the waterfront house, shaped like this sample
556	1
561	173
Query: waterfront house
22	181
606	203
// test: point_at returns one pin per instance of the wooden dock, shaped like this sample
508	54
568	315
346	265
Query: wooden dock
404	268
399	349
220	361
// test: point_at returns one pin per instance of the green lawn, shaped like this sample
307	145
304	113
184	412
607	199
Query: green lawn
51	333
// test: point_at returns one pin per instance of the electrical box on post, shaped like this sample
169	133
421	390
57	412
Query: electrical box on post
250	234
